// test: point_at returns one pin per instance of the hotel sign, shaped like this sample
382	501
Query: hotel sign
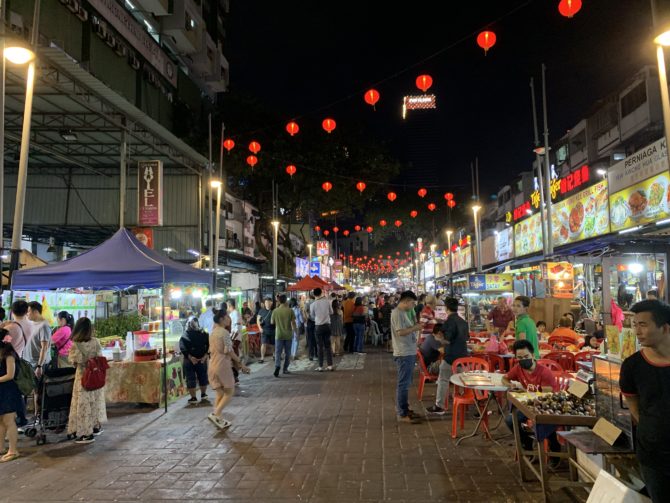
149	193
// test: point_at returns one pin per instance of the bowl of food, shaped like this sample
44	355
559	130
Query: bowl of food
576	220
658	202
638	202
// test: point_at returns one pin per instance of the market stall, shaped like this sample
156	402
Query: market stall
482	294
120	263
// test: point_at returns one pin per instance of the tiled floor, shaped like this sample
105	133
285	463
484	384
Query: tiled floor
306	437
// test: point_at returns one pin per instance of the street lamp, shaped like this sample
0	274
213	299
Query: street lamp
19	54
451	285
475	209
663	40
216	184
309	247
275	226
433	247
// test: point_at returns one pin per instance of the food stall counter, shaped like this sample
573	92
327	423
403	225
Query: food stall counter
143	382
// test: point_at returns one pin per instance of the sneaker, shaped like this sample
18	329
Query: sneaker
85	439
276	372
408	420
434	409
98	431
192	400
330	368
413	414
319	369
203	396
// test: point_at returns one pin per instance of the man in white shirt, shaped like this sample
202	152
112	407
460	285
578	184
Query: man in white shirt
206	319
320	311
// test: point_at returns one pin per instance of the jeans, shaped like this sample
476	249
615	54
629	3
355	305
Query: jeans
443	384
323	340
349	337
657	483
359	330
195	373
542	432
405	366
285	346
311	340
294	344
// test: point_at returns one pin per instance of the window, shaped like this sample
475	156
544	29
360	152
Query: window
634	99
578	142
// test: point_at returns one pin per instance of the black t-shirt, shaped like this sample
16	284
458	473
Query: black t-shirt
651	384
456	332
265	316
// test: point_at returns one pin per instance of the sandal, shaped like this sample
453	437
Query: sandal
9	457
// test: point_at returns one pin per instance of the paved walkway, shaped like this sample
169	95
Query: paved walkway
306	437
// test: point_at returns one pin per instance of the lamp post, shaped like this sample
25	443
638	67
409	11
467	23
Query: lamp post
422	268
20	55
475	210
411	245
663	40
433	246
451	285
275	227
309	247
216	184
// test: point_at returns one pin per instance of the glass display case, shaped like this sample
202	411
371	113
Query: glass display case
609	399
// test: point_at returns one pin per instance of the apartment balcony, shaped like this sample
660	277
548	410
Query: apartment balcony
184	27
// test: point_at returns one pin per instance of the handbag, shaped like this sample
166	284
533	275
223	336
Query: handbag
95	372
25	375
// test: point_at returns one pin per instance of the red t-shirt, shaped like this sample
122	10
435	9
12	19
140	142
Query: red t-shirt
533	381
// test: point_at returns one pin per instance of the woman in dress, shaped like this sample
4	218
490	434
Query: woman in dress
10	398
87	410
61	338
336	326
220	369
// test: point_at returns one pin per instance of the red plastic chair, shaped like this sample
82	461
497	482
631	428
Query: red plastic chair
585	356
551	365
464	396
424	375
496	362
544	345
564	358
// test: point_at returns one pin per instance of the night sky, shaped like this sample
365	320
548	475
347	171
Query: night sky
316	58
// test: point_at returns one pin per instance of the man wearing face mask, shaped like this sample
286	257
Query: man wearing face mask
530	376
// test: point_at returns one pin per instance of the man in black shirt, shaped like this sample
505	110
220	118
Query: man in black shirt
267	329
456	334
645	382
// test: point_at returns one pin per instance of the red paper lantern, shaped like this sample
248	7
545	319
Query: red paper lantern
397	223
292	128
329	125
382	223
317	228
448	196
569	8
326	186
346	233
397	253
228	144
413	213
432	206
422	192
424	82
291	169
252	160
336	230
486	40
392	196
369	228
255	147
360	186
357	228
371	97
407	254
326	232
451	203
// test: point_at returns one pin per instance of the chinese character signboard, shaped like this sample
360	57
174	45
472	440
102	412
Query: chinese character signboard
322	248
643	164
584	215
149	193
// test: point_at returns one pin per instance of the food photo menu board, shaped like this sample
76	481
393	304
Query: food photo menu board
582	216
528	236
638	187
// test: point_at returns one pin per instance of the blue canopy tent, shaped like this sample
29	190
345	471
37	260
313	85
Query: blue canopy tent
119	263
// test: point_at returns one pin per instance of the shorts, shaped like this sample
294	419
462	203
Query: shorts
195	374
268	338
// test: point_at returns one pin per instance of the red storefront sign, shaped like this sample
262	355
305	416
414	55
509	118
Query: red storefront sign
149	193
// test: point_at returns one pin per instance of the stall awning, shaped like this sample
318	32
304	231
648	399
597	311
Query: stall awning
118	263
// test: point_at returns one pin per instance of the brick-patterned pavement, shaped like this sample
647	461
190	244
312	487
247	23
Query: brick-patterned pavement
306	437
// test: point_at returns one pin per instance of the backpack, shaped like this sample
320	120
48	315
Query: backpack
25	377
95	372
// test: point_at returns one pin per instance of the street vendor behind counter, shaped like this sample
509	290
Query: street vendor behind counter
500	316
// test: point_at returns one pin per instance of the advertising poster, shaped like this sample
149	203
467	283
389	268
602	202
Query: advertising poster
505	244
528	236
144	235
582	216
301	267
490	282
641	203
429	269
78	305
629	343
613	345
462	259
322	248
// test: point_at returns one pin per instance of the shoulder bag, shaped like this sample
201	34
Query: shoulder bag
95	372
